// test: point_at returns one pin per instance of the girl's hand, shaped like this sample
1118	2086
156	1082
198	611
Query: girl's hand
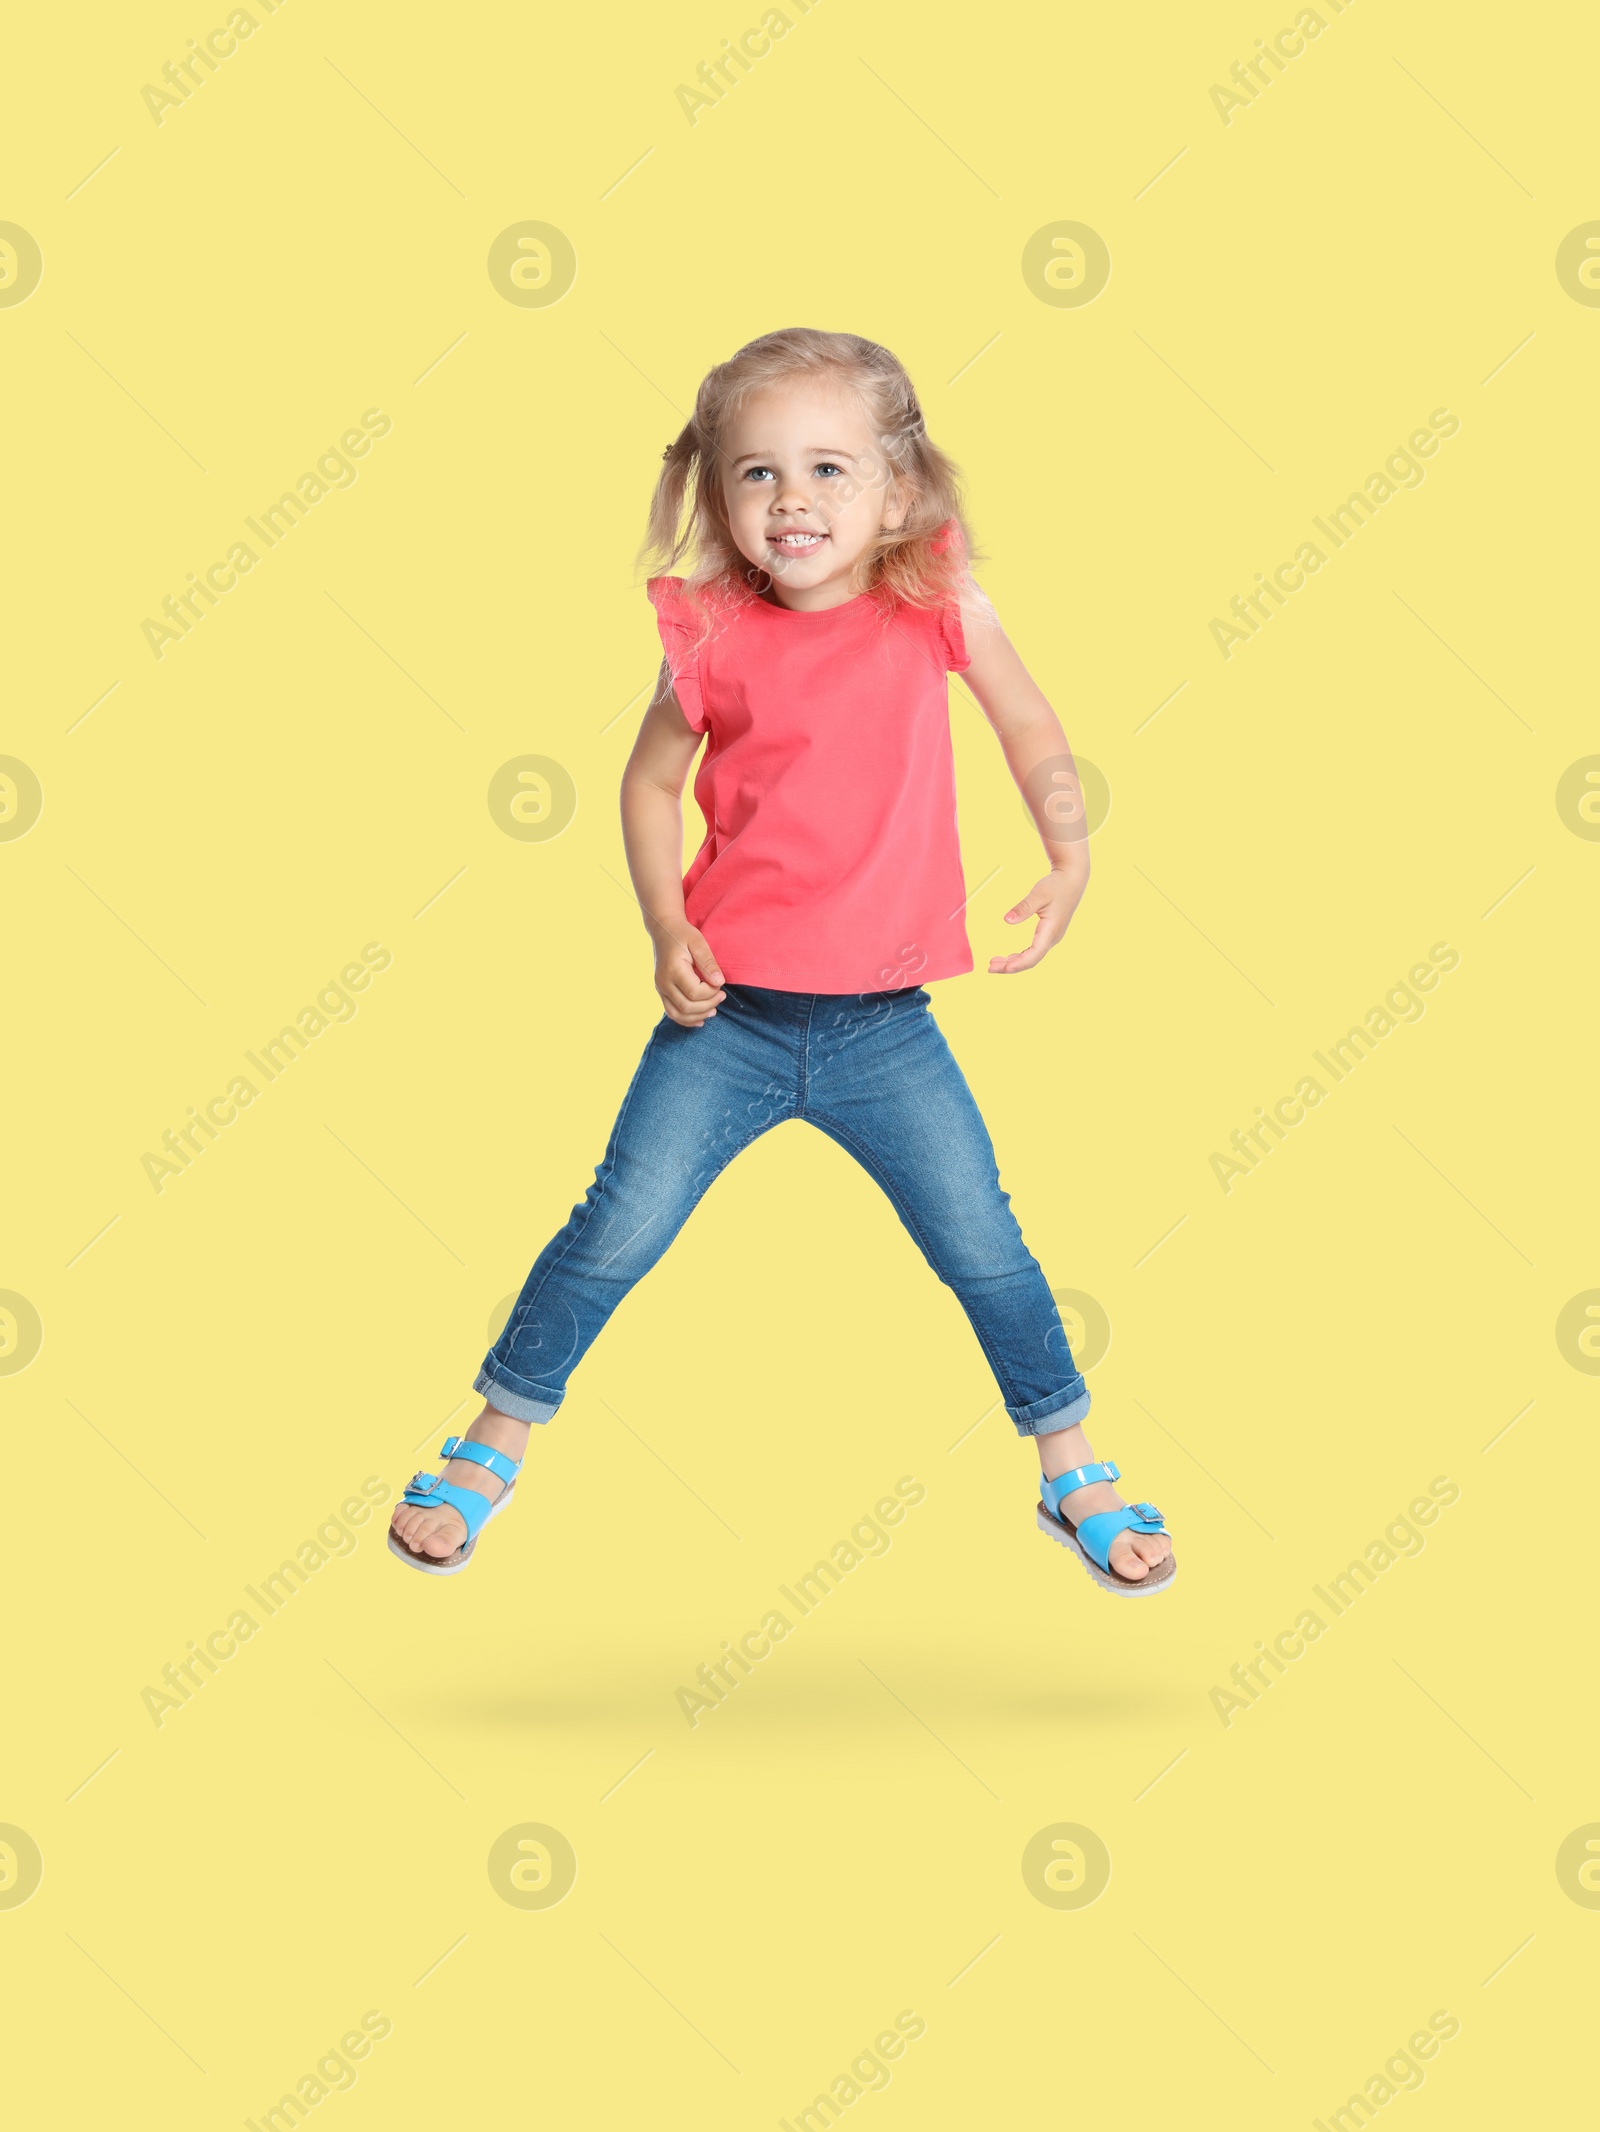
1052	901
687	977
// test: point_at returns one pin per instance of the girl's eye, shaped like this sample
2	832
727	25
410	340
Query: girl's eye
765	473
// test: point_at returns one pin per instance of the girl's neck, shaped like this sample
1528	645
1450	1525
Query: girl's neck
821	599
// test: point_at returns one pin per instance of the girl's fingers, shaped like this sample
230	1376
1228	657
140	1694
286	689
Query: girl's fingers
1033	904
689	1012
689	981
700	955
1046	934
681	980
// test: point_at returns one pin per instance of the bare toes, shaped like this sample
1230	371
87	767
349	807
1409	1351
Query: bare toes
441	1538
415	1530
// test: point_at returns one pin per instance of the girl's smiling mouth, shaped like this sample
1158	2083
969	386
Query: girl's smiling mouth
796	543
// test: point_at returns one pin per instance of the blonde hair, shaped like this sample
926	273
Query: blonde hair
922	562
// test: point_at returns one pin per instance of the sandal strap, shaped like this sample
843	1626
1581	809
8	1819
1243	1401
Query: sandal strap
428	1490
1074	1478
1096	1534
503	1468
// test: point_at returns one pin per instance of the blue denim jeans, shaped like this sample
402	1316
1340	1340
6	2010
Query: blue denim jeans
871	1070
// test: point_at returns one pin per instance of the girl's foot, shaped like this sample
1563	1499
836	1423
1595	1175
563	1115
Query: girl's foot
438	1531
1132	1554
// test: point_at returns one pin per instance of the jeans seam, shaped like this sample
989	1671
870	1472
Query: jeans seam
869	1162
732	1155
591	1206
805	1059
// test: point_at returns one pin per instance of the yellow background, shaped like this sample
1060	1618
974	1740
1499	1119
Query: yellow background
1291	1895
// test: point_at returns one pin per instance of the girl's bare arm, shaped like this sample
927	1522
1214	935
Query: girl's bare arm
687	976
1040	760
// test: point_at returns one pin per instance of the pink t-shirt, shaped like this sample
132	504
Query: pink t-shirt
830	861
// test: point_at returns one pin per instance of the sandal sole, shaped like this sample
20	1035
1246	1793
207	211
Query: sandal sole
1159	1580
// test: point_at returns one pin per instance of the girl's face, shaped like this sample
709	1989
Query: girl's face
807	489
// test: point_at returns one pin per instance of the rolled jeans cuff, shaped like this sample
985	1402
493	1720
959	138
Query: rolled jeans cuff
529	1405
1061	1410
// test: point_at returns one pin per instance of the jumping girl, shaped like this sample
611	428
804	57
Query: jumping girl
828	598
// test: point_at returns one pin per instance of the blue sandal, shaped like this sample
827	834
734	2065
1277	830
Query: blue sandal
1091	1541
428	1490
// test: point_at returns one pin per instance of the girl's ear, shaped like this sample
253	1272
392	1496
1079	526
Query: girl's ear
897	508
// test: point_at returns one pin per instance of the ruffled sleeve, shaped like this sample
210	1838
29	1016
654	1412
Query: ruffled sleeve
956	656
680	641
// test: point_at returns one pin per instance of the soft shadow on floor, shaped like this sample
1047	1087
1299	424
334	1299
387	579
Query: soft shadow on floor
808	1704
